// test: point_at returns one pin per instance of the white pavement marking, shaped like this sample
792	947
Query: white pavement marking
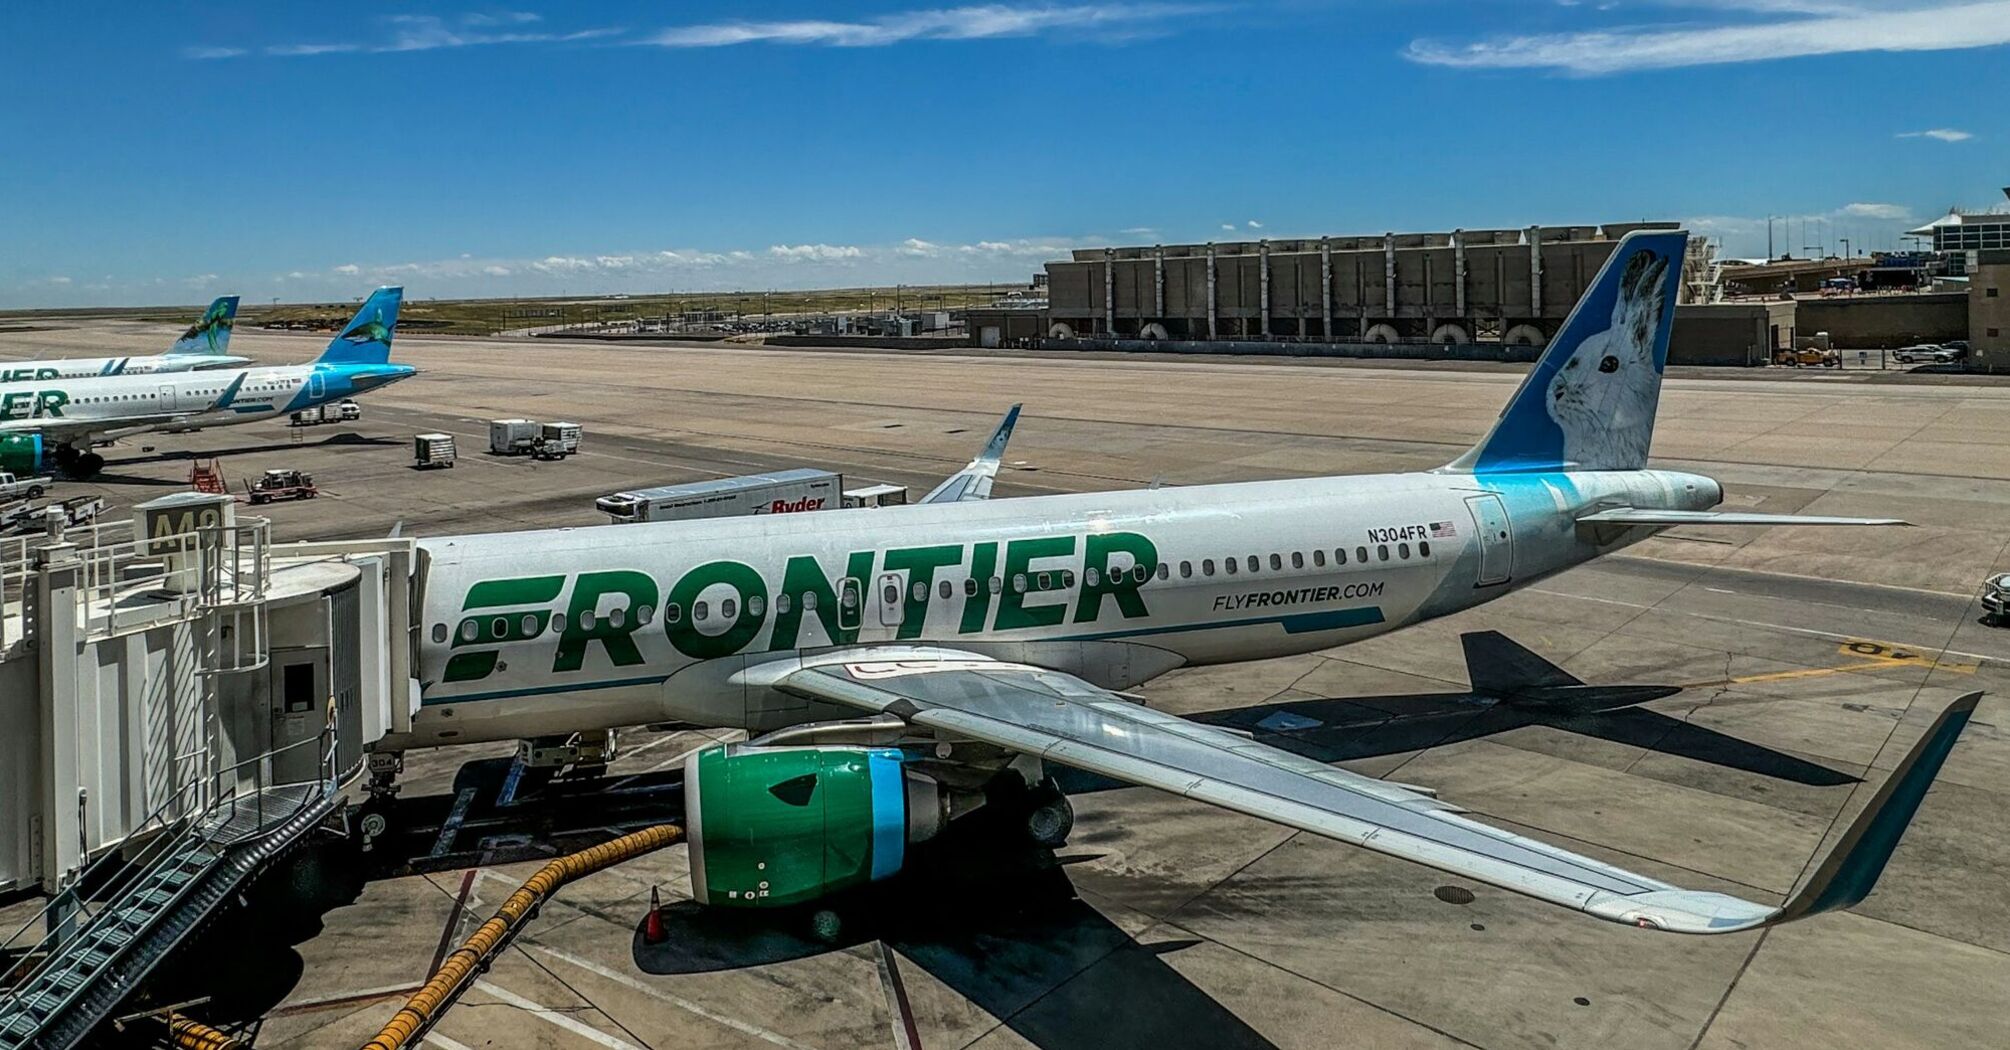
627	981
445	1043
1760	623
565	1021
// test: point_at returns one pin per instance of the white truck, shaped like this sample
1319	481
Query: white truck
343	411
782	492
512	437
13	487
556	440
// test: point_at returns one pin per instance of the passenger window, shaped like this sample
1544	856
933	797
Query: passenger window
756	605
728	609
700	610
1207	566
1381	552
1297	559
644	613
892	594
1046	581
672	612
1403	551
1094	578
1140	574
1165	571
1423	548
439	633
1019	582
998	585
1186	570
1319	558
919	590
1361	555
586	619
499	628
1067	578
1255	563
970	587
1229	564
781	602
947	590
1276	563
616	618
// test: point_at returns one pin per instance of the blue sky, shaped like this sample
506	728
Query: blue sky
163	153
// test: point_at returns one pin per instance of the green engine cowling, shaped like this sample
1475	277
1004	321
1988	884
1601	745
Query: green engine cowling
21	453
774	826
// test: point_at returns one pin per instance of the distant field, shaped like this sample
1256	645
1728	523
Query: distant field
488	316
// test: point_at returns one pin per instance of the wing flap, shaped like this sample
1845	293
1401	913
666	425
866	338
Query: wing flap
1063	719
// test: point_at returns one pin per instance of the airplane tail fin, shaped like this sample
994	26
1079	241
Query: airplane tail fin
366	339
1589	402
211	334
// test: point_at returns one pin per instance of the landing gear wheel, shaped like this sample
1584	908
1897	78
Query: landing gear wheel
88	465
65	456
826	925
1049	817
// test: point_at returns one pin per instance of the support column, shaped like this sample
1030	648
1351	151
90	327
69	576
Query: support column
1326	289
1263	283
1158	282
1459	272
1535	271
1109	292
1389	275
57	643
1212	300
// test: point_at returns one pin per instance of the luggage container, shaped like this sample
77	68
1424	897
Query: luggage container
433	450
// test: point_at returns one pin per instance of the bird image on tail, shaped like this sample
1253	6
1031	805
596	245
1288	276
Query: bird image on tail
211	333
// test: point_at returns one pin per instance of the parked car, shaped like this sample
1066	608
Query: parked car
1930	353
1808	357
1996	600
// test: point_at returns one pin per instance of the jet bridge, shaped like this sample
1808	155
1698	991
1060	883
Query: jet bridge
184	702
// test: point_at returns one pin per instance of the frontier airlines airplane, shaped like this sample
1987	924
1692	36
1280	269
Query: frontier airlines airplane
901	666
202	346
64	418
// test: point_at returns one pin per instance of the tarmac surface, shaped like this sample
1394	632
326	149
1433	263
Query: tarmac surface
1806	659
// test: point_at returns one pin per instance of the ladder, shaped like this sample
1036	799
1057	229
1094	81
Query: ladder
207	477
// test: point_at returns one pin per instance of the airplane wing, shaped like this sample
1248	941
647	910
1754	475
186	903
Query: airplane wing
974	481
1063	719
1637	516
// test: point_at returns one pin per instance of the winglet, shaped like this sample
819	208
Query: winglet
973	482
1847	874
229	394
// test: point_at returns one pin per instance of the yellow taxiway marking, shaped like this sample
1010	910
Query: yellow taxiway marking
1870	656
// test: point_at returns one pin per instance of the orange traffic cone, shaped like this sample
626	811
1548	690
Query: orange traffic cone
652	927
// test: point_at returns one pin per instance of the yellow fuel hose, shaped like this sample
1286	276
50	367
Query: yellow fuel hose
188	1034
460	967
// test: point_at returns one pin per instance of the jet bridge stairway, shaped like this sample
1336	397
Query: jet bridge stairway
74	980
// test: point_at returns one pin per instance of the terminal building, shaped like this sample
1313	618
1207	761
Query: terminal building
1502	286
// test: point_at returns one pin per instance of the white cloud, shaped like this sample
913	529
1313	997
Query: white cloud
1943	134
496	271
59	279
1254	225
298	50
206	53
978	22
1839	27
1877	211
919	248
501	18
815	252
348	269
430	32
1229	226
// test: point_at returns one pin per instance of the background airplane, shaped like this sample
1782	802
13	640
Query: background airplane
60	420
202	346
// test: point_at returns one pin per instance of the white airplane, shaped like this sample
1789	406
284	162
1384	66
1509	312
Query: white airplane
903	665
202	346
58	420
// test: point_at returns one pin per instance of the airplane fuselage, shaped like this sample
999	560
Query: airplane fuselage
101	367
182	400
557	631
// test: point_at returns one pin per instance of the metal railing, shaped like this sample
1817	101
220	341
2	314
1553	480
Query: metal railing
167	830
126	580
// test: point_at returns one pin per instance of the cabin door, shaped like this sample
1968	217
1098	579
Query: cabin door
1496	539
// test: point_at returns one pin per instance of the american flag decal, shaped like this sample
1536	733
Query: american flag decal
1444	530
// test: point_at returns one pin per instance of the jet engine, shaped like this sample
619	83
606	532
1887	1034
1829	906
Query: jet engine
773	826
21	453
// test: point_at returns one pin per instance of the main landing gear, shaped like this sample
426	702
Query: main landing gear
77	464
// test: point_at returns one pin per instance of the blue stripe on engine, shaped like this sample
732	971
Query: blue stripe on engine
889	812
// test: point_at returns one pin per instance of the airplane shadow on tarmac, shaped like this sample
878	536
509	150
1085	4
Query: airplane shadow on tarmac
346	438
999	923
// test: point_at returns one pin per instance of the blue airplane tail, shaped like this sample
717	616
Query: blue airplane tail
211	334
1589	402
366	339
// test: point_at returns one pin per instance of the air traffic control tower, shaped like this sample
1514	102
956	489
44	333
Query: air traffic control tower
181	703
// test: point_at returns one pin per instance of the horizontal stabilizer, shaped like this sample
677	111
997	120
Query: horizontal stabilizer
1637	516
1500	667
